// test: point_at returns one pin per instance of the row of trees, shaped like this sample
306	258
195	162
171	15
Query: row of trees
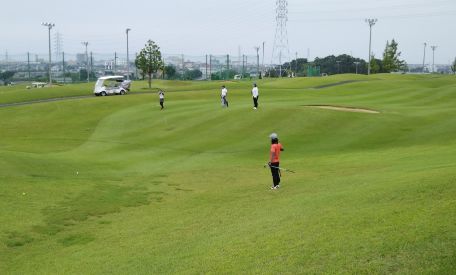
344	63
149	61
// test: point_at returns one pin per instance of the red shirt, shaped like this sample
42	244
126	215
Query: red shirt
275	152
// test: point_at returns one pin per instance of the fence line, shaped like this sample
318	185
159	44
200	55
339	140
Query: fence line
67	67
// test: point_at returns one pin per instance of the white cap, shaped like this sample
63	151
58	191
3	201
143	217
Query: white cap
274	136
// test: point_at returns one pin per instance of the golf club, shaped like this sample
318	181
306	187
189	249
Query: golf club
280	168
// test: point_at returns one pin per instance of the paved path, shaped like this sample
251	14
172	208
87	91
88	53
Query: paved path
336	84
56	99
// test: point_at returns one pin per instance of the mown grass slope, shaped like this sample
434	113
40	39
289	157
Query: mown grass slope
114	185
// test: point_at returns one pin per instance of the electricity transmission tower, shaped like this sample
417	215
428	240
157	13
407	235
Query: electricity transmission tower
58	45
280	50
87	59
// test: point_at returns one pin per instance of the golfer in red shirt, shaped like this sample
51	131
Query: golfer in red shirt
274	160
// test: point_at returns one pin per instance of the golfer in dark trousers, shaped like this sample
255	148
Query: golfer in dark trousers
274	160
255	96
161	96
223	96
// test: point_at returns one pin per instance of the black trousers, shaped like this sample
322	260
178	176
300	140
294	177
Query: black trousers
225	101
275	171
161	103
255	101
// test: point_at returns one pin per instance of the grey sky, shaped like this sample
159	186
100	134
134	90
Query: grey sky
202	27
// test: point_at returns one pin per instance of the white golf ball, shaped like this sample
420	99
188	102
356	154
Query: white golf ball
23	194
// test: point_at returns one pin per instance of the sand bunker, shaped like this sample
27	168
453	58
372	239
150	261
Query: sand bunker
343	109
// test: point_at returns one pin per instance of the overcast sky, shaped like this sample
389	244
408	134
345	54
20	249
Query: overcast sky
202	27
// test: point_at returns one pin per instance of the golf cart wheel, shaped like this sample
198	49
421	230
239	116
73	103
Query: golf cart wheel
122	92
103	94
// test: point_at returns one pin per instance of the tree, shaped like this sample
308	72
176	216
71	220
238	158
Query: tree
391	61
376	65
192	74
223	74
453	67
149	60
296	65
5	76
170	72
346	64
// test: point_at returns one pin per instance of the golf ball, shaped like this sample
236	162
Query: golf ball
23	194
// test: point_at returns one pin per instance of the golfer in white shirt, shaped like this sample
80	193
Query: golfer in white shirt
255	96
223	95
161	96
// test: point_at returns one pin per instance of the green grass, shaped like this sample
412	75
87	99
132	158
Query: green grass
114	185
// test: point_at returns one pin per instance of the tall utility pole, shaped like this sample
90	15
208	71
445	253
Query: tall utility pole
49	26
6	60
136	68
433	56
424	55
262	62
356	63
371	23
163	66
28	65
296	63
128	58
183	67
210	67
87	59
227	66
206	66
115	63
91	64
239	56
243	65
280	48
63	67
258	61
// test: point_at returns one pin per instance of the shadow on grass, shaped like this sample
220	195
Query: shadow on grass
76	239
97	202
15	239
101	200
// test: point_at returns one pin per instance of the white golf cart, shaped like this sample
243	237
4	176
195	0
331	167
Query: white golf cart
111	85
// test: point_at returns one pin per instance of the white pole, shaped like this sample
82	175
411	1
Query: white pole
49	26
371	23
128	58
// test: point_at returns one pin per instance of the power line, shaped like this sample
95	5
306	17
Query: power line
398	16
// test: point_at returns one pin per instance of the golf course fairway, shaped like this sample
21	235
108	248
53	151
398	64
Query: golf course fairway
114	185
